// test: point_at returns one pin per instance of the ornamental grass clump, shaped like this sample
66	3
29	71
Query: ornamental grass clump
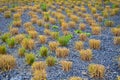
115	31
46	17
19	38
17	23
29	58
54	35
72	24
27	24
94	44
50	61
96	30
96	70
40	65
43	6
7	62
62	52
47	32
5	36
117	40
64	26
7	14
86	55
40	22
82	26
28	43
52	20
79	45
3	49
11	42
33	34
21	52
14	31
42	39
66	65
83	36
64	40
53	45
43	51
109	23
40	75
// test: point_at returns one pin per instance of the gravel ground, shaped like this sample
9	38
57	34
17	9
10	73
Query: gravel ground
106	55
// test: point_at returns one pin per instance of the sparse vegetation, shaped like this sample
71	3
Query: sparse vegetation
59	39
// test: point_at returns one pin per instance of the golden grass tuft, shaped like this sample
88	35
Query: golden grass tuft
66	33
64	26
42	39
83	37
82	26
54	35
34	20
52	20
7	14
96	30
19	38
94	44
17	16
72	24
27	24
117	40
115	31
86	55
66	65
74	18
47	32
39	75
79	45
28	43
62	52
7	62
96	70
53	45
40	22
100	18
14	31
17	23
39	66
33	34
